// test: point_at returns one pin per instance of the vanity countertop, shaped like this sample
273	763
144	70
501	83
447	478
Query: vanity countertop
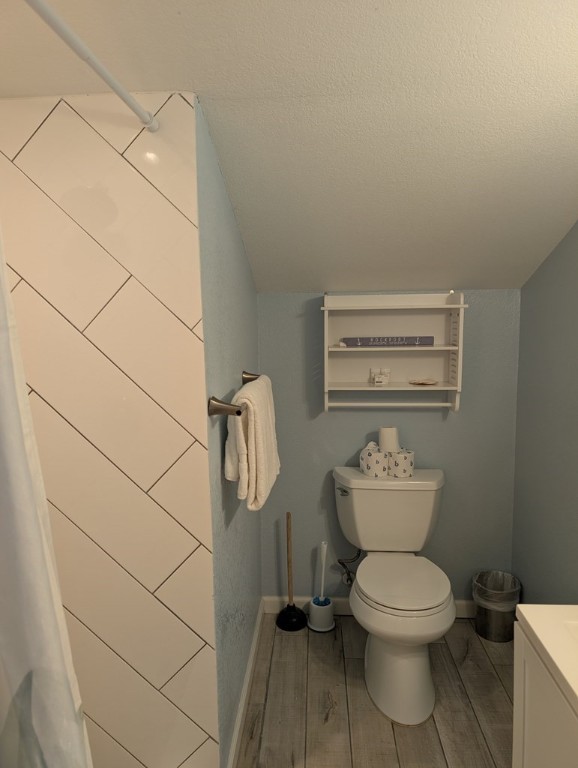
553	631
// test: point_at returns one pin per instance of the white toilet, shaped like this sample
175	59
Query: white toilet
402	600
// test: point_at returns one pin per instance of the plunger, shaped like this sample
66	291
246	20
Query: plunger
290	618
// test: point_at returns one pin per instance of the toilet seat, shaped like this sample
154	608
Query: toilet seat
402	584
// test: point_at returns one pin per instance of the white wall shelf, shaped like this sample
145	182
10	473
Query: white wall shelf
399	386
349	350
347	369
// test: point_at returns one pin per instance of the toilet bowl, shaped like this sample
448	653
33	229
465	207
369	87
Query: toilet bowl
404	602
402	599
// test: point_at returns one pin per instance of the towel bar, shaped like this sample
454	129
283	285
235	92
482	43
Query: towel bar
221	408
246	377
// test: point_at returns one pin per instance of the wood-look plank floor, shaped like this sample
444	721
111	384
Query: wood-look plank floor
308	706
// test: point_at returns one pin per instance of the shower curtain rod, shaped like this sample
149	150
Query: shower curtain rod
73	41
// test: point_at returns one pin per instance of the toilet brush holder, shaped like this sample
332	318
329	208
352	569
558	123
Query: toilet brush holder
321	615
321	608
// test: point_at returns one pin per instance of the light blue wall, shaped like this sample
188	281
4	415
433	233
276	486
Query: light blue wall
474	447
545	551
230	329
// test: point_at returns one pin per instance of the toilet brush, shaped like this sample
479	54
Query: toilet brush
321	608
321	598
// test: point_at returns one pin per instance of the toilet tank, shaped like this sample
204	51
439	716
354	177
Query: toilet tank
388	514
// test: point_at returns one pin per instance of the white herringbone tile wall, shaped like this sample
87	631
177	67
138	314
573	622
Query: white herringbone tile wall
99	222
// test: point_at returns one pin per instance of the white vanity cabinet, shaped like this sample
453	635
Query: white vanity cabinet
545	694
374	318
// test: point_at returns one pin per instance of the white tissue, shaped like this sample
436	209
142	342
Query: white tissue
388	439
372	461
401	463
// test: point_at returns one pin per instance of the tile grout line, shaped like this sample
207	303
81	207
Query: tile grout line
174	571
166	306
111	361
139	386
347	707
161	193
394	744
306	697
19	276
33	134
473	708
270	664
69	217
444	756
168	469
72	108
306	700
143	128
269	671
184	665
176	615
433	715
96	448
494	666
99	244
113	738
131	142
134	669
180	93
180	618
152	594
188	218
140	129
188	757
105	305
120	565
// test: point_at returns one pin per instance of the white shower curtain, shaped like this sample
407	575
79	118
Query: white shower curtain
41	720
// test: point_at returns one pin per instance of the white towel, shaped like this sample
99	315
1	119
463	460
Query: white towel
251	449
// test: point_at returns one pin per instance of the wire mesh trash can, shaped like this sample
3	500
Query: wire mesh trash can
496	594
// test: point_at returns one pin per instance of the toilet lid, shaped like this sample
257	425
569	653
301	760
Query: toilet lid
402	582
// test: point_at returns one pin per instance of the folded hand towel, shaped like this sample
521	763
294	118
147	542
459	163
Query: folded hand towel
251	455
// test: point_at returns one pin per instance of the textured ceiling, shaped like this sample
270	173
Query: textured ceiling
392	144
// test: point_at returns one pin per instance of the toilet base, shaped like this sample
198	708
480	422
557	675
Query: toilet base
399	681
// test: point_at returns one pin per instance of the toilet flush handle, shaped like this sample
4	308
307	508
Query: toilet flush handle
342	491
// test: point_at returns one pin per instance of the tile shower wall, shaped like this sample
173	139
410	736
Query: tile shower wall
99	223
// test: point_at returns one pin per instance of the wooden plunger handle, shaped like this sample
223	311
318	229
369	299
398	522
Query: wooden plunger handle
289	561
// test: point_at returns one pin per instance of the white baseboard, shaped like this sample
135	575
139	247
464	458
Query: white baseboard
465	609
242	706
